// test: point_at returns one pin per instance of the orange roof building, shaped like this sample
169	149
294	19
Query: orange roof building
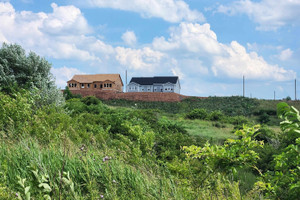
96	82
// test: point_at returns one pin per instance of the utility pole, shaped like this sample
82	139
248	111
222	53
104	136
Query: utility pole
295	89
274	95
243	86
126	81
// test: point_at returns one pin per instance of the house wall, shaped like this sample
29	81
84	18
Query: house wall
177	87
167	88
73	85
105	85
146	88
157	88
133	87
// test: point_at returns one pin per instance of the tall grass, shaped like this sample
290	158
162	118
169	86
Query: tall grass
92	176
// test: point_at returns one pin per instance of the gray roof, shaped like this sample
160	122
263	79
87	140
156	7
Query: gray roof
155	79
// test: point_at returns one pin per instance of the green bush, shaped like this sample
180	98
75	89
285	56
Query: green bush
216	116
91	100
68	94
264	118
197	114
238	120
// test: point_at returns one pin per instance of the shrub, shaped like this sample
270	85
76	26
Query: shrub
216	115
197	114
68	94
238	120
264	118
219	125
91	100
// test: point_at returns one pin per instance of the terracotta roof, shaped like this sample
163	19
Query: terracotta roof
90	78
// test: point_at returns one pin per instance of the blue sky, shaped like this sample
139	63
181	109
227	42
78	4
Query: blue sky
209	44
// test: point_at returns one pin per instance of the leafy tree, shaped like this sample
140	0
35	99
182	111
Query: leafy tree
283	182
18	70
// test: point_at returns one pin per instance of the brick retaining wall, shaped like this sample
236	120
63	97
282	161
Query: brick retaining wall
134	96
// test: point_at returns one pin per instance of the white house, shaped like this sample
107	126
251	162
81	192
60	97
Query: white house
154	84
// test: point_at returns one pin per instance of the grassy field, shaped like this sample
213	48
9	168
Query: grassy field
207	129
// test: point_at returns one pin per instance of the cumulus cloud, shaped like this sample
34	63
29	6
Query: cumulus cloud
138	59
65	20
169	10
57	34
129	38
64	74
239	63
231	60
269	14
194	38
285	54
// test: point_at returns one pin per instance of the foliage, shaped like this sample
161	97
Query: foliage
88	150
18	70
69	95
283	182
231	106
264	118
197	114
235	153
90	100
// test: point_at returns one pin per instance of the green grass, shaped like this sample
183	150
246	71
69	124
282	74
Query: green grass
207	130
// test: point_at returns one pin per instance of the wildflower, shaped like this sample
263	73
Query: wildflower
106	158
114	181
101	196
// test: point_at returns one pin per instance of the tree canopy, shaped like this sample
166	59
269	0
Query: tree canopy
19	70
26	71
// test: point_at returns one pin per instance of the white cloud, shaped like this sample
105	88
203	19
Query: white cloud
194	38
239	63
198	42
169	10
176	71
65	20
138	59
269	14
285	54
64	74
129	38
57	34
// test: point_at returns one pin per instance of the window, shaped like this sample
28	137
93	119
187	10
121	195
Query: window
101	86
82	85
75	84
110	85
104	84
88	86
95	85
70	85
